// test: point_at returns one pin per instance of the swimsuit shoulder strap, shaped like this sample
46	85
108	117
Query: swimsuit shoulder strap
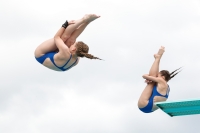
67	61
61	68
71	65
52	60
168	90
158	94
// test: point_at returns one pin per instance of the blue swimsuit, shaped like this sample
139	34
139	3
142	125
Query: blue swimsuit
148	108
51	55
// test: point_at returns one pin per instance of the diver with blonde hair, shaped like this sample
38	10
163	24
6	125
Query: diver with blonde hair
63	52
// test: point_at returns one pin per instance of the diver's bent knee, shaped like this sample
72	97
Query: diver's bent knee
65	37
70	41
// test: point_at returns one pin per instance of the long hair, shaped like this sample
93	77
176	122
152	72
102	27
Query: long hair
168	76
82	51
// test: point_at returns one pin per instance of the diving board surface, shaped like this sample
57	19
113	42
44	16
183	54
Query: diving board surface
179	108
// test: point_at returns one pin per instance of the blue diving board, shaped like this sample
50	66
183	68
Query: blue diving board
180	108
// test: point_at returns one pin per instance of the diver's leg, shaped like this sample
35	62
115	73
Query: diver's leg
73	27
155	66
146	94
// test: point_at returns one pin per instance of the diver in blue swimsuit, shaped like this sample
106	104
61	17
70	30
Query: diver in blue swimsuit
157	89
63	52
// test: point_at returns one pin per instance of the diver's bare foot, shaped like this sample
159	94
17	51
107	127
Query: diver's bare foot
161	50
160	53
90	17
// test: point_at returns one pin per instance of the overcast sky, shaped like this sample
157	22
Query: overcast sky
97	96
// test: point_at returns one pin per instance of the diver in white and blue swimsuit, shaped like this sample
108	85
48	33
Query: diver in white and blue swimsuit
157	89
63	52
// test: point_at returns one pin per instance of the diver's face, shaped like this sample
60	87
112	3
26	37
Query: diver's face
160	75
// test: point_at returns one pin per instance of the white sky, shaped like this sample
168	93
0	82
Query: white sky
97	96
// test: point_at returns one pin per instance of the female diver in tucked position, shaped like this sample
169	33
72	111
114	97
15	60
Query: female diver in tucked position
157	89
62	52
